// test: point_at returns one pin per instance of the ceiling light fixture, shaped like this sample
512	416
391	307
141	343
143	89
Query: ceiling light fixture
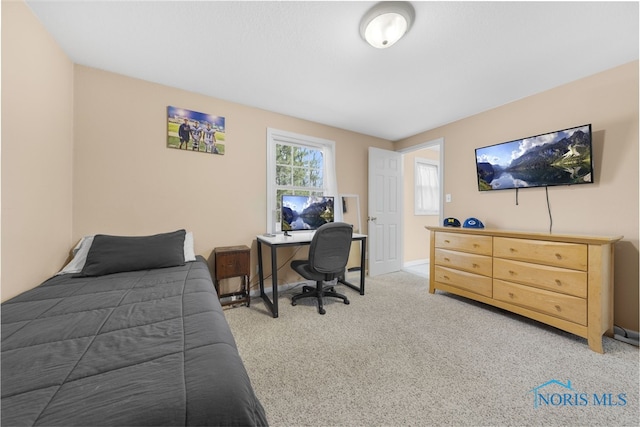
386	22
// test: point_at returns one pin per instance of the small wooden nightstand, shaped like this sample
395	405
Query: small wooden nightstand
233	261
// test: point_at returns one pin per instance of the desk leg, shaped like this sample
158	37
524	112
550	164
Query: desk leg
274	281
260	269
270	304
363	247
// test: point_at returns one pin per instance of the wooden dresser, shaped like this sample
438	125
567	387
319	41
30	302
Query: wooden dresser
562	280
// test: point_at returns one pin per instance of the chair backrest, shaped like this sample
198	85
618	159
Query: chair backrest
329	250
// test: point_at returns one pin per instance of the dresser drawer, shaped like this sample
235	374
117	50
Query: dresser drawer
464	242
553	303
571	282
559	254
479	264
468	281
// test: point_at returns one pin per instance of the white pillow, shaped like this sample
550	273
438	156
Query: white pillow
189	251
81	250
79	256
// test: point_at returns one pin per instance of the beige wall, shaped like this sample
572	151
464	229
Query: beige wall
103	166
127	182
37	139
608	100
121	179
416	237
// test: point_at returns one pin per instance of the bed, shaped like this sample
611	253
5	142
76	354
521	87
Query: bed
122	339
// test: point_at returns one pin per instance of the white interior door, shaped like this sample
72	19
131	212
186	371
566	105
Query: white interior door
385	211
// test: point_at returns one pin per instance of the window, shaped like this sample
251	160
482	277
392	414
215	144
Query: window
427	187
297	164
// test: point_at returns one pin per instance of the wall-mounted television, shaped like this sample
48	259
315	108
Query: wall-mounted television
306	212
562	157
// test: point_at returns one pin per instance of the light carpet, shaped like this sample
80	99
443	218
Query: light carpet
399	356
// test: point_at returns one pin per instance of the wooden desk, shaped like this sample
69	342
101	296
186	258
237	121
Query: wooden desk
297	239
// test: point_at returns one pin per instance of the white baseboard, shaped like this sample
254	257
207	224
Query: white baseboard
281	288
416	262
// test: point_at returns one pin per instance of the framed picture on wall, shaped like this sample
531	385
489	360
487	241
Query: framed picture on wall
194	131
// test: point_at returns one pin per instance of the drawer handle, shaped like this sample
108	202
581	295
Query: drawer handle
474	265
447	259
558	282
511	295
558	308
475	245
446	277
513	250
447	241
559	256
512	273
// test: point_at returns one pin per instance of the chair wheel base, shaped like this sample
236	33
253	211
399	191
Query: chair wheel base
318	293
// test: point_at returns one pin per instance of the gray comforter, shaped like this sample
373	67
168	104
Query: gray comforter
138	348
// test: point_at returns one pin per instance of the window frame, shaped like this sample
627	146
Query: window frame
329	185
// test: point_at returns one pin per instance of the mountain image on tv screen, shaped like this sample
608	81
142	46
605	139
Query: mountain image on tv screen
556	158
306	212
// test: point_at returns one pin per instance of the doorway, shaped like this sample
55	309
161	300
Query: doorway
415	240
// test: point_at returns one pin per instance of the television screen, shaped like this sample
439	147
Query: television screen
306	212
557	158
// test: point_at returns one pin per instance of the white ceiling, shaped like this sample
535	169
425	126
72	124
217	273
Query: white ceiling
307	59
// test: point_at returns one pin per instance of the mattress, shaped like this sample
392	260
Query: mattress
149	347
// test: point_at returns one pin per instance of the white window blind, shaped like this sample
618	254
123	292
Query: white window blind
427	187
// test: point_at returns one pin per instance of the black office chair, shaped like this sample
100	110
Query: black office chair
328	256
